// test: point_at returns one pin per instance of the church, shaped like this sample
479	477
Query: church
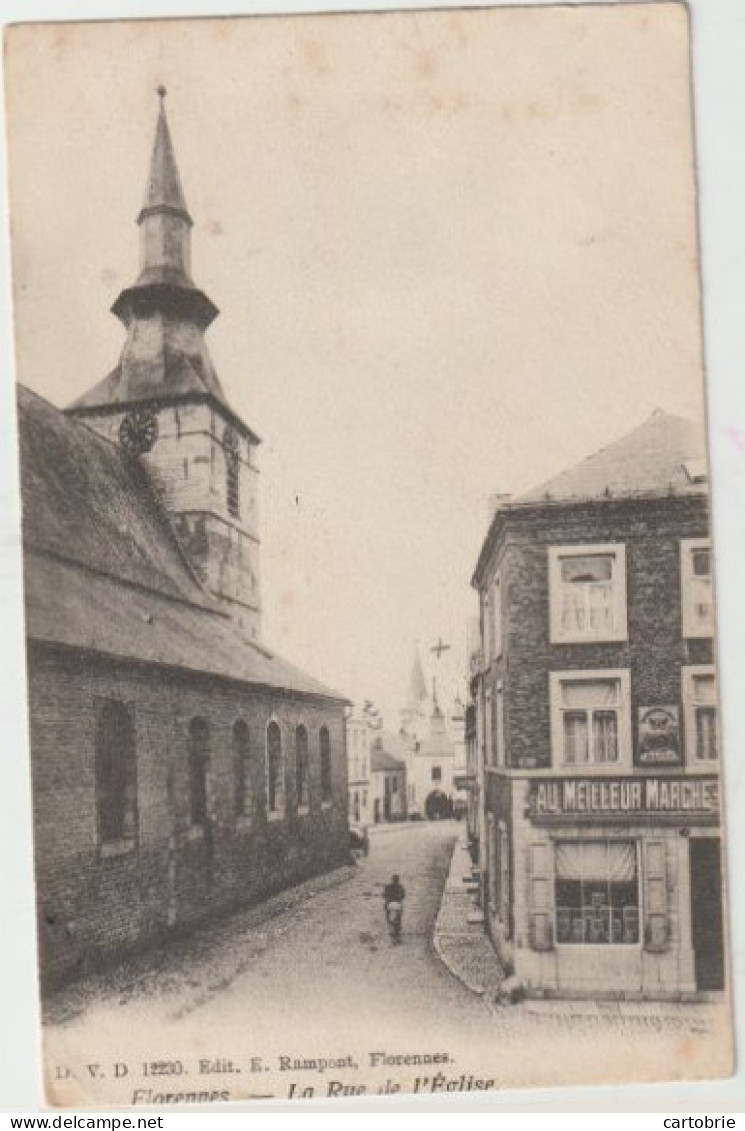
180	768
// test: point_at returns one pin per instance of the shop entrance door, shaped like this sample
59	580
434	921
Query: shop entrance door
707	934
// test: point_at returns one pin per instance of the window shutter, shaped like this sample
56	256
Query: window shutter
541	896
657	927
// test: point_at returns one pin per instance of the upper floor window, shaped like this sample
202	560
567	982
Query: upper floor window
437	773
696	587
590	719
116	774
275	786
325	754
302	789
199	757
701	723
587	587
241	770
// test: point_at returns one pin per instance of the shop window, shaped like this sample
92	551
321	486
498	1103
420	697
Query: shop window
701	718
325	756
275	785
302	789
696	587
587	593
590	718
116	774
394	784
199	758
596	893
241	770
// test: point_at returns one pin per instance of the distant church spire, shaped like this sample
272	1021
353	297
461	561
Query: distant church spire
417	684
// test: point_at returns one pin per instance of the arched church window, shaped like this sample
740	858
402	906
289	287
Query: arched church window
242	770
325	746
302	787
275	786
199	759
116	774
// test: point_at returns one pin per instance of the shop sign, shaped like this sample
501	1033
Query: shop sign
659	737
683	798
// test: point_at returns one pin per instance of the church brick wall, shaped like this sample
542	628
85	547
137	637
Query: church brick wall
95	906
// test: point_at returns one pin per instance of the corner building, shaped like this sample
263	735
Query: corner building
596	696
180	768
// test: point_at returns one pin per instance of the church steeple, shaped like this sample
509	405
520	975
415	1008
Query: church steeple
164	192
165	357
164	404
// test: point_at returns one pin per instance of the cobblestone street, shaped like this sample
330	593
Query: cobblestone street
313	973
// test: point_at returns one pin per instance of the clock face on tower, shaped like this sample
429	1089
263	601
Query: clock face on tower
138	431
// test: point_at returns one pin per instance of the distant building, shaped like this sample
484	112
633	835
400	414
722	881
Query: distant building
388	780
362	727
180	768
597	714
433	747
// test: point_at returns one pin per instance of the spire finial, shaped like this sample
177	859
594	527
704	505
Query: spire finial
162	92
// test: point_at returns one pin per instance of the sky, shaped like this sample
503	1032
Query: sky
454	253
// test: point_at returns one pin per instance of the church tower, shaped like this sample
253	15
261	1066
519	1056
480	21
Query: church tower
163	403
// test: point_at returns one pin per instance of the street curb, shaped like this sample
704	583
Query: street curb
479	991
438	935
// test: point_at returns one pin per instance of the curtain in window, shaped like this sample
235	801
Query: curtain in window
596	860
592	567
589	692
576	749
706	733
587	593
605	736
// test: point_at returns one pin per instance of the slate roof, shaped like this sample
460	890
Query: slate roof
665	453
381	761
437	743
85	499
104	571
662	457
167	375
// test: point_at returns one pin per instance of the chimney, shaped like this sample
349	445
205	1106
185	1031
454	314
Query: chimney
496	501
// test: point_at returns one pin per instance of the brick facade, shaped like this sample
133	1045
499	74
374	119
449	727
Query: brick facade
519	847
93	905
655	649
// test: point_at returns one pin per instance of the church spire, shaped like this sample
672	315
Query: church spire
164	193
165	358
